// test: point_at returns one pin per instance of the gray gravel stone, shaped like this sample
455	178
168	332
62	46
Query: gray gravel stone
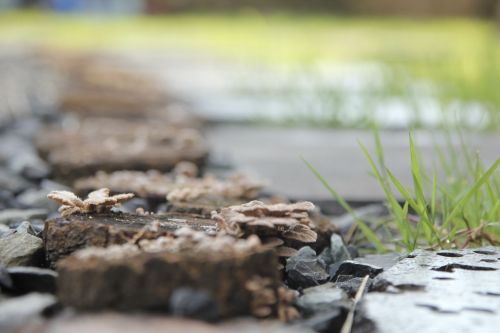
8	216
186	302
4	230
18	311
11	146
26	227
29	165
36	198
5	280
305	269
21	249
8	200
357	269
12	182
322	298
337	252
32	279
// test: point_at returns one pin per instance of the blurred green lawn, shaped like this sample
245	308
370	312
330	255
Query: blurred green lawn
461	54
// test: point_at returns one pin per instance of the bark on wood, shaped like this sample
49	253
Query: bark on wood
112	144
63	236
146	281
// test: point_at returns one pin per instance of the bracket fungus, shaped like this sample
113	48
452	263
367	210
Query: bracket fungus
97	201
185	192
276	224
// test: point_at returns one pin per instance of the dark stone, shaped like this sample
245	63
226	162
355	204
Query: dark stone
353	251
11	182
357	269
333	268
321	298
32	279
305	269
29	165
337	252
5	280
327	322
187	302
349	284
8	200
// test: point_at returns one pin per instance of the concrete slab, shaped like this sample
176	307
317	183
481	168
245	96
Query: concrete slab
275	154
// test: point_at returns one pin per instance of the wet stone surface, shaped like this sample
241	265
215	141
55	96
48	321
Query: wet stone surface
444	291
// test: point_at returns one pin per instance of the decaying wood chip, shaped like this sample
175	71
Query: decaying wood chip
97	201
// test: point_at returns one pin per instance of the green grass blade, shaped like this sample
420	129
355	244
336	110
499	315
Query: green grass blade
466	197
367	232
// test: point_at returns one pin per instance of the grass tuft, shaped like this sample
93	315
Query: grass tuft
455	205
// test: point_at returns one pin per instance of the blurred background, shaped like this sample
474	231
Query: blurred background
332	68
320	62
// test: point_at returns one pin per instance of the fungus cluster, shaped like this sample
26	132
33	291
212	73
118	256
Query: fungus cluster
96	202
275	224
184	240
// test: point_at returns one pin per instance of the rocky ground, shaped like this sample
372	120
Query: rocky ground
75	122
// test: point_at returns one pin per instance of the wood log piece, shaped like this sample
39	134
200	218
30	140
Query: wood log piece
63	236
